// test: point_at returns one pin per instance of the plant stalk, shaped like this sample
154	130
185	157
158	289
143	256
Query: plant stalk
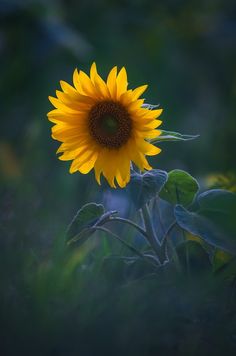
151	236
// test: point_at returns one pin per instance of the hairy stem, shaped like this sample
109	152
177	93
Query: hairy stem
129	222
149	258
151	234
130	247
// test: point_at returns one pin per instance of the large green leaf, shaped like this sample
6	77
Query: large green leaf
173	136
143	187
83	222
209	227
218	200
180	188
219	206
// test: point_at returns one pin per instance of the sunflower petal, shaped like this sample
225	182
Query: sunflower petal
81	160
137	157
89	165
77	102
135	105
123	173
71	146
99	82
152	114
122	183
121	82
143	125
72	154
136	93
87	85
147	134
98	166
109	166
111	82
106	164
67	88
126	98
77	82
93	71
61	106
60	117
147	148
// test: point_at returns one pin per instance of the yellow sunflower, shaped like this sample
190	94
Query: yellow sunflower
102	125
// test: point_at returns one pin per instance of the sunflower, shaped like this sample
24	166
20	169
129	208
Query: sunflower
103	125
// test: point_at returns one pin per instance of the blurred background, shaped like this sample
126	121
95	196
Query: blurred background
184	49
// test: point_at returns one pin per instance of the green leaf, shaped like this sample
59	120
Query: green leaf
173	136
219	206
84	221
180	188
82	236
218	200
208	228
143	187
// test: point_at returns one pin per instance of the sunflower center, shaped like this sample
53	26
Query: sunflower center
110	124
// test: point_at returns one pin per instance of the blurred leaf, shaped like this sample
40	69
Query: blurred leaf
220	259
180	188
82	236
143	187
191	237
222	181
207	229
84	220
10	165
208	248
87	216
173	136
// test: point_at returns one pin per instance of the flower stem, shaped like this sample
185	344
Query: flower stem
129	222
149	258
151	234
133	249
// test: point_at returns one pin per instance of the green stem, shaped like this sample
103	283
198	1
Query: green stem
151	234
149	258
130	247
131	223
163	247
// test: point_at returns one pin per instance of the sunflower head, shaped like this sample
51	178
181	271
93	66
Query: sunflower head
102	125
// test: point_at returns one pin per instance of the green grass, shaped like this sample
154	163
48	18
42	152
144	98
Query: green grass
85	302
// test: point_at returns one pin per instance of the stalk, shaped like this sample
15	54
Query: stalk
151	236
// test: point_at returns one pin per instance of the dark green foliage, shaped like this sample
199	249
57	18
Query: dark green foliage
86	217
214	221
221	259
144	187
77	303
218	200
180	188
81	226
